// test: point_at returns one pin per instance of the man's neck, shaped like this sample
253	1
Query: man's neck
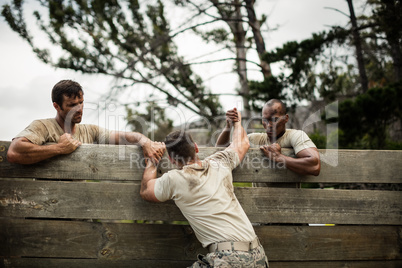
273	140
196	160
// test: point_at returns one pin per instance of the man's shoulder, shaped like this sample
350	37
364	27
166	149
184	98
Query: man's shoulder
292	130
256	134
88	126
299	140
45	121
38	130
257	138
41	125
292	133
227	158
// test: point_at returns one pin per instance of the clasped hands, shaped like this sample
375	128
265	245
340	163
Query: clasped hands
153	151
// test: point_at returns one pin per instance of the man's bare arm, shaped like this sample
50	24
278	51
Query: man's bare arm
22	151
240	142
147	191
306	162
152	150
224	138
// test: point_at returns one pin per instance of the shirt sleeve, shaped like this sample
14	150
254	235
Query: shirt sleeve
300	141
252	139
163	188
35	133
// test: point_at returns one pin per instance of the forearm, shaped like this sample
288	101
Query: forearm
240	142
239	135
224	138
124	138
29	153
301	166
148	182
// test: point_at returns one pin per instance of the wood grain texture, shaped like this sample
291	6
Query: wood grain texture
95	263
123	241
121	201
55	201
111	162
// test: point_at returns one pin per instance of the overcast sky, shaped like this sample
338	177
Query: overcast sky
26	82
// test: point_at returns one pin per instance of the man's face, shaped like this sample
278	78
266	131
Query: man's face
274	121
72	109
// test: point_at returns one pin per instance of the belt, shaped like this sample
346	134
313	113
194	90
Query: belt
234	245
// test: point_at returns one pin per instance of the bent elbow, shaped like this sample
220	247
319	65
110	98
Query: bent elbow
12	157
316	170
143	196
16	158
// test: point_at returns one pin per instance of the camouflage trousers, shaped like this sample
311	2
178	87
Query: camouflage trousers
255	258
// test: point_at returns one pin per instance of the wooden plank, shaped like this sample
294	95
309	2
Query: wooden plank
83	200
110	162
78	239
337	264
321	206
91	162
89	263
331	243
123	241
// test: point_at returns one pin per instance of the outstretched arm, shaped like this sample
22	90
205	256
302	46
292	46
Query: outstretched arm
224	137
152	150
147	191
240	142
306	162
22	151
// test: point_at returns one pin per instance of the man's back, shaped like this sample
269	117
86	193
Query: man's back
204	193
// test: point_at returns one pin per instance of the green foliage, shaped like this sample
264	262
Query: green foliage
319	139
387	31
271	88
301	59
218	36
364	120
328	141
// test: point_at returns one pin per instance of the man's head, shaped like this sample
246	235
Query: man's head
68	100
274	119
180	147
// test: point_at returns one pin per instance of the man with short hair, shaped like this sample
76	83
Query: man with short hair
203	191
67	133
276	137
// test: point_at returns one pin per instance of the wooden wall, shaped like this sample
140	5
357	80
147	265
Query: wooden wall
84	210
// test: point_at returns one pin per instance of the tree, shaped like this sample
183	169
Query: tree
358	46
120	39
320	67
153	123
239	17
387	30
301	60
373	113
